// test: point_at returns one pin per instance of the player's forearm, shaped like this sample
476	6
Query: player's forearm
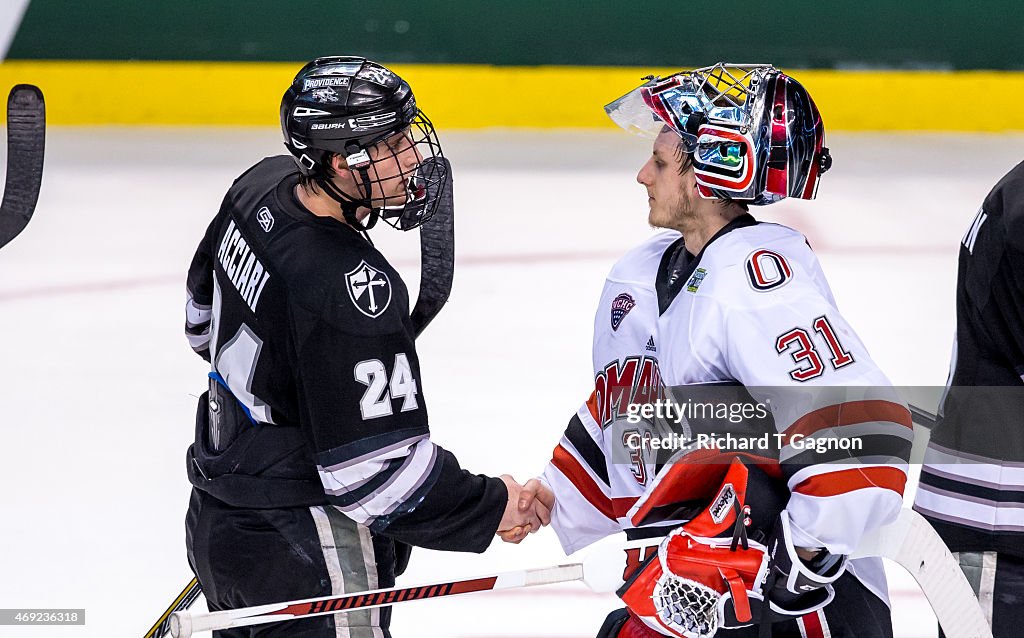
458	511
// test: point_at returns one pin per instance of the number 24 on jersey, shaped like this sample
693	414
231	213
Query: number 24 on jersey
376	401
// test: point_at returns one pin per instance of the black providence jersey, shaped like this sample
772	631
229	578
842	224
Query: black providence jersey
316	395
972	483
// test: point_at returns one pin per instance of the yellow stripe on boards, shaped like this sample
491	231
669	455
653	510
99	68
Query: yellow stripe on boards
480	96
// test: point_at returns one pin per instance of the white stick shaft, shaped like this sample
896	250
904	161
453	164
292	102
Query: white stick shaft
185	623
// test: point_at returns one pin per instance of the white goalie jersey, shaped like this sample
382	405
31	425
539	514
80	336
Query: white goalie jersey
753	309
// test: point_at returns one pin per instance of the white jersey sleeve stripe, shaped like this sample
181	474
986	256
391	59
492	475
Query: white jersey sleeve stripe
365	505
577	521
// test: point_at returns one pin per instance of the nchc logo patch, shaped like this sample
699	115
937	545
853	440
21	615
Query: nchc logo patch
767	270
621	306
369	288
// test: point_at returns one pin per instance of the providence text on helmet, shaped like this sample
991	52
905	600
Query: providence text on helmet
363	113
753	132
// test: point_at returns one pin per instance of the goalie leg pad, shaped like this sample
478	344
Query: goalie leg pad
622	623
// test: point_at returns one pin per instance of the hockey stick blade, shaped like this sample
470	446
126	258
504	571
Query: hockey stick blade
601	570
437	254
913	544
26	140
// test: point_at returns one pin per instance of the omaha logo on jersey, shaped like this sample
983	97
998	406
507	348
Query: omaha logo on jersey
767	270
621	306
370	289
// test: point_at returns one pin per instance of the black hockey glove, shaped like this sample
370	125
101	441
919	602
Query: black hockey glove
796	586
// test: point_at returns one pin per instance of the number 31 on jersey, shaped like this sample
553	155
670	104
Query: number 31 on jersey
801	347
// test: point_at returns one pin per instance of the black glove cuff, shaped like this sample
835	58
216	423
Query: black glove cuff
795	586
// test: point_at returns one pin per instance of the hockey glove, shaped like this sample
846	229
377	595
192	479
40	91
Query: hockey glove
796	586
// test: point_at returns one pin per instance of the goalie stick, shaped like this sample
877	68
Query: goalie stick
26	139
909	541
914	545
437	272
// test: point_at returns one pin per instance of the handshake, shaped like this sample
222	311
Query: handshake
528	509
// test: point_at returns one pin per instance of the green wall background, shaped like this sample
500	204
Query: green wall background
913	34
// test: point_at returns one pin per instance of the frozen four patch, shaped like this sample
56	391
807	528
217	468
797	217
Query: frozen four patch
695	280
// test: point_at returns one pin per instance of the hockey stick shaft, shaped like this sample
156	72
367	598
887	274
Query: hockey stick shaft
182	602
184	624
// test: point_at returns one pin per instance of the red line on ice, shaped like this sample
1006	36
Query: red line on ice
526	259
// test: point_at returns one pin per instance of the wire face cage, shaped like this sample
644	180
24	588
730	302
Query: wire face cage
724	94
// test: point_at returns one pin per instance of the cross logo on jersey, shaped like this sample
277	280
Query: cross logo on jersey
370	289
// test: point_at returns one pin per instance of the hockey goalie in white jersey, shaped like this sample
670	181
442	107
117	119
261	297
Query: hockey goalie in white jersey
720	309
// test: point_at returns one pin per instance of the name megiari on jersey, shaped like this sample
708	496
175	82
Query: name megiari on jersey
243	269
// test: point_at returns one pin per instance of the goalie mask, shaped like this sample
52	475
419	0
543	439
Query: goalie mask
365	113
753	132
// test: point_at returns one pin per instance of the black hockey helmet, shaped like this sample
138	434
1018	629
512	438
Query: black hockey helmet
364	112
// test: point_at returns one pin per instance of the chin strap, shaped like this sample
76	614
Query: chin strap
350	205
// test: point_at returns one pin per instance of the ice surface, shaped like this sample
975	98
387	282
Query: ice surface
98	384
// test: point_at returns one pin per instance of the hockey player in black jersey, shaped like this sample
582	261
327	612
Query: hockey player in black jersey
972	480
313	468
